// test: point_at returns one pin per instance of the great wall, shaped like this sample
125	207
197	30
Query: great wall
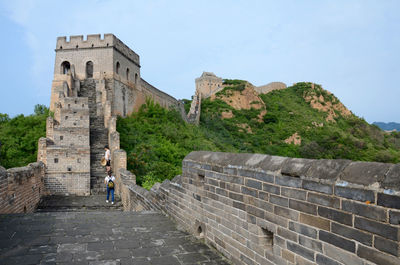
251	208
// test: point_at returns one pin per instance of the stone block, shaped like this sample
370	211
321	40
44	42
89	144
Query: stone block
324	200
327	168
264	177
381	229
287	213
271	188
302	251
236	196
293	193
296	167
287	234
387	246
390	201
315	221
303	206
253	184
376	257
337	241
341	255
303	229
392	178
323	260
335	215
318	187
272	163
394	217
310	243
255	211
352	233
365	210
279	200
248	191
287	255
288	181
365	173
355	194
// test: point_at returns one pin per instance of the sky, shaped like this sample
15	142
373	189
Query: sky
350	47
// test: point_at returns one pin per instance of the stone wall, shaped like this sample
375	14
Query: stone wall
270	87
259	209
21	188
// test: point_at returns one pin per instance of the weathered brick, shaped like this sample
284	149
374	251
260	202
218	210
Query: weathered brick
264	177
236	196
279	200
303	206
288	181
384	230
246	173
287	255
285	212
389	201
355	194
239	205
246	260
263	196
341	255
386	245
315	221
337	241
302	251
323	260
324	200
287	234
302	229
364	210
316	186
394	217
217	168
375	256
248	191
255	211
310	243
335	215
221	192
351	233
293	193
271	188
253	184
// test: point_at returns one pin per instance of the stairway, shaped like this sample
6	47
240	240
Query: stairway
98	137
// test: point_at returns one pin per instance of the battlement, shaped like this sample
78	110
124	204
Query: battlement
94	41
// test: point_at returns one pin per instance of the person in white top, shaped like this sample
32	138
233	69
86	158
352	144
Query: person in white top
107	156
110	184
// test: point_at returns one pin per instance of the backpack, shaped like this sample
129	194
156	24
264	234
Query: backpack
110	184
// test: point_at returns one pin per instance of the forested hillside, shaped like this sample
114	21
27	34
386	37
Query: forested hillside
303	120
19	137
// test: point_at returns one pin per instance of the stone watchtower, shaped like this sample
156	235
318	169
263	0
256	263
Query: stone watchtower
95	80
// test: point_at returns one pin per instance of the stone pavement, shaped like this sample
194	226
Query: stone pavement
99	237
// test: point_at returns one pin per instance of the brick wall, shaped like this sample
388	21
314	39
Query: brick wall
259	209
21	188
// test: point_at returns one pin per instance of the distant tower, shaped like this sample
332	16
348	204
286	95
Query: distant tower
207	84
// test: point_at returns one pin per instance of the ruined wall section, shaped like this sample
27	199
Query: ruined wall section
270	87
21	188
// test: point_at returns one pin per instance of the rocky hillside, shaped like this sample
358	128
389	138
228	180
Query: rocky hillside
303	120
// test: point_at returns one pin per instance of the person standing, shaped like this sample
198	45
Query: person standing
107	156
110	184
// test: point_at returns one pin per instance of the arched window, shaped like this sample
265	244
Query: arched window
136	78
65	67
117	68
127	74
89	69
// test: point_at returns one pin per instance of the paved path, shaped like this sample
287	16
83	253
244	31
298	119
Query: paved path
99	237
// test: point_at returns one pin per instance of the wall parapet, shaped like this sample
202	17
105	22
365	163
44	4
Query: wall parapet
21	188
261	209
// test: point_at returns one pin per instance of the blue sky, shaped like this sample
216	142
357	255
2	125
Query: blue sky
350	47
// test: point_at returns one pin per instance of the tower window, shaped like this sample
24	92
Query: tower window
89	69
127	73
117	68
65	67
